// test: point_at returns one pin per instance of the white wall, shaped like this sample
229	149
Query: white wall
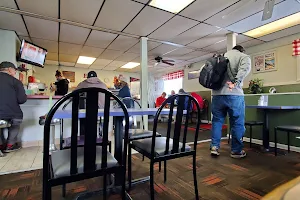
286	63
47	74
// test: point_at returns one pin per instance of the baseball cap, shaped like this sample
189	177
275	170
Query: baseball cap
6	64
92	74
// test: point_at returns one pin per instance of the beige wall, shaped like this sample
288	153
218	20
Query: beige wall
46	74
10	45
286	72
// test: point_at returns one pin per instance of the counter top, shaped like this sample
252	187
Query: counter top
42	97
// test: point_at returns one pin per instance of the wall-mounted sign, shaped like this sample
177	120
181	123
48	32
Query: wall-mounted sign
69	75
264	62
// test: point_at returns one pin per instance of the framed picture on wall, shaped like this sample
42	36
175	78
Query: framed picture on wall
264	62
69	75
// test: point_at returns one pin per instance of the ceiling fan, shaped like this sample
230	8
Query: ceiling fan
159	60
267	12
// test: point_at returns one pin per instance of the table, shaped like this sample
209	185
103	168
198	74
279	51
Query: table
266	131
118	114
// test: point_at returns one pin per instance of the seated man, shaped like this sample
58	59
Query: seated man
13	94
159	101
91	81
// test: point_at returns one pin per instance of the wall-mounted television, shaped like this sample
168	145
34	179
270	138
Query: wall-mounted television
32	54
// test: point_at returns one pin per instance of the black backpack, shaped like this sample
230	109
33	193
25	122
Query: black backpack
213	72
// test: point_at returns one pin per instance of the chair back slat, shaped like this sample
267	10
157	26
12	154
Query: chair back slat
105	131
178	123
74	134
91	130
169	126
189	103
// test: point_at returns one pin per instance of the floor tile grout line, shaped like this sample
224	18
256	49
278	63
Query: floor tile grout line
35	156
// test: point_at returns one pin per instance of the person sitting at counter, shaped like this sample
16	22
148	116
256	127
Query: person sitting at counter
13	94
61	86
91	81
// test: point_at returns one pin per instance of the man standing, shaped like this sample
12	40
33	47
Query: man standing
13	94
230	99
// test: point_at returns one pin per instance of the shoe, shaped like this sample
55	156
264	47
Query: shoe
214	151
12	148
240	154
2	147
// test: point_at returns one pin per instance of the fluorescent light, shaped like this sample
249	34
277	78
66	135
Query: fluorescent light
130	65
173	6
275	26
85	60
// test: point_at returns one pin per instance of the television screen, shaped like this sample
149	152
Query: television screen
32	54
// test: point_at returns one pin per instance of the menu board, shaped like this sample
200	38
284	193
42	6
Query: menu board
32	53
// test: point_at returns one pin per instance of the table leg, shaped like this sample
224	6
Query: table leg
266	133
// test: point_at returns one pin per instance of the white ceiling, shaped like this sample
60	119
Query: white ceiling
109	30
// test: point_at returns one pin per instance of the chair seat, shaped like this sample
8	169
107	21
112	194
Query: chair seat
253	123
135	134
289	128
4	124
61	161
160	145
80	142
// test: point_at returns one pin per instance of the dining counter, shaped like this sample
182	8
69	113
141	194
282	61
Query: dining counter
42	97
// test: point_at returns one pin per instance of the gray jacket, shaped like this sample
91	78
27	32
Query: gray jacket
94	82
240	65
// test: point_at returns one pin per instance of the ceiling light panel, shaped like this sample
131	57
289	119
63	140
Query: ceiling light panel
85	60
173	6
130	65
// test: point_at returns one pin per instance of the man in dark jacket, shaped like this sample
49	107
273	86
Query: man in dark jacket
13	94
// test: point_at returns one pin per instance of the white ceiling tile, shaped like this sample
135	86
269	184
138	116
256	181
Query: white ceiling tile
162	49
42	7
281	10
195	33
116	64
143	1
100	39
81	65
21	37
8	3
51	62
119	13
240	38
80	11
91	51
123	43
179	52
96	67
147	21
202	9
70	49
111	68
51	46
73	34
151	45
40	28
67	58
217	46
67	64
172	28
14	22
282	33
127	57
201	58
110	54
210	39
251	43
52	56
102	62
238	11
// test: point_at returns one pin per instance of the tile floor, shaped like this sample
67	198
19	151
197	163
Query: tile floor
23	160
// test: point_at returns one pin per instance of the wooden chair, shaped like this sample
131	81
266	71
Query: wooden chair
159	149
90	160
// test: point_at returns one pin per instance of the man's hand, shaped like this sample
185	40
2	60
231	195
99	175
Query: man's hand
230	85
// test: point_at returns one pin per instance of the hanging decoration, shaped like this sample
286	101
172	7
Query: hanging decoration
296	47
174	75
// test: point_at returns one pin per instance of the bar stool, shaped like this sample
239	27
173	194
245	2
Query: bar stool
250	124
288	130
3	125
54	122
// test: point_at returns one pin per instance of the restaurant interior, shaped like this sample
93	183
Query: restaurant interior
142	149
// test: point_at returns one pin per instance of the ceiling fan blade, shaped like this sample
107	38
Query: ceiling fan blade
168	63
239	7
169	60
268	10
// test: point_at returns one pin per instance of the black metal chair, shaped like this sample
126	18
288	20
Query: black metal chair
288	129
4	124
89	161
250	124
159	149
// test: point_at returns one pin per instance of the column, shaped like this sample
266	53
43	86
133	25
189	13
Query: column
144	76
10	45
231	40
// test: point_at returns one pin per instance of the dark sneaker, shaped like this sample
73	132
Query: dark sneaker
240	154
214	151
12	148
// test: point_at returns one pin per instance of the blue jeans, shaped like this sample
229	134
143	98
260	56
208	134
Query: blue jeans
235	107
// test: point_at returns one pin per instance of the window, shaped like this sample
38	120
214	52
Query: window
173	81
